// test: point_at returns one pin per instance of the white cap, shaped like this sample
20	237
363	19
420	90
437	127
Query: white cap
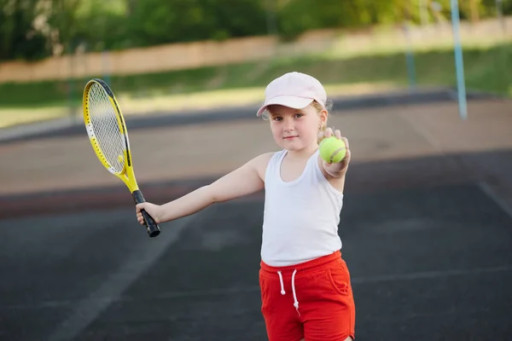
294	90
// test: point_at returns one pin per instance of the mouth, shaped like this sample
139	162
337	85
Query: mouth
289	137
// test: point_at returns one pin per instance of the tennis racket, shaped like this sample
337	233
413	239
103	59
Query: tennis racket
109	139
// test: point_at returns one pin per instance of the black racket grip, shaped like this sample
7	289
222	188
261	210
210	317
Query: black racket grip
151	226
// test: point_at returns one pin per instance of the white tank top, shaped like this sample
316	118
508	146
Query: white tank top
301	217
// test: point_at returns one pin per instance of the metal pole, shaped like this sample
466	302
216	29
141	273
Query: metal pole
409	58
459	62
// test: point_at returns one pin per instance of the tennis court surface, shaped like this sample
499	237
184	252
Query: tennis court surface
426	227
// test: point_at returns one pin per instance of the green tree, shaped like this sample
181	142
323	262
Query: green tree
157	22
491	7
33	29
18	36
298	16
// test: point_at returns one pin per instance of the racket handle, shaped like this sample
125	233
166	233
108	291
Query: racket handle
151	226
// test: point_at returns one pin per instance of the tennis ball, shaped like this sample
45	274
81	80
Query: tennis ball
332	149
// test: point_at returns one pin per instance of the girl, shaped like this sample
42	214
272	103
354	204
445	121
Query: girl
305	284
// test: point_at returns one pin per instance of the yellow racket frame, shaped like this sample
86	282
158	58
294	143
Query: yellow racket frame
127	174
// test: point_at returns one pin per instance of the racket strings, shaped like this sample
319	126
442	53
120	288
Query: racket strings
106	129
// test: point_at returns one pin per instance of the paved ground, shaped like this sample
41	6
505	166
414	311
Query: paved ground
426	226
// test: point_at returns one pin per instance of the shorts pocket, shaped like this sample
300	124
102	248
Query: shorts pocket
340	281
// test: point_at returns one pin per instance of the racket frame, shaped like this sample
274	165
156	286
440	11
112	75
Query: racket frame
127	175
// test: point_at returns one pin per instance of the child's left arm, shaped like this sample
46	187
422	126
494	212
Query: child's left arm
335	172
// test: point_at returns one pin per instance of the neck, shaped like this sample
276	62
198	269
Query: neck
303	153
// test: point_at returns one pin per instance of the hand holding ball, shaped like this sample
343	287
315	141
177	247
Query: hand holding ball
332	149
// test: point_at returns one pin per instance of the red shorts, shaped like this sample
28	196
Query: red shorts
311	300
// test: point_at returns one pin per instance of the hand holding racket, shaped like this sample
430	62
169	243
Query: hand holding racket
109	139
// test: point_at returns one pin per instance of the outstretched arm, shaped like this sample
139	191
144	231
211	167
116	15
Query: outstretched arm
243	181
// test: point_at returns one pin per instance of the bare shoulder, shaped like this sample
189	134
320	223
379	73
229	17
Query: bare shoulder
260	162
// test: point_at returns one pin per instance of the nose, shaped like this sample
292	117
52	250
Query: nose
288	124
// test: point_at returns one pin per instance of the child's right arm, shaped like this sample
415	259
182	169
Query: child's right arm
245	180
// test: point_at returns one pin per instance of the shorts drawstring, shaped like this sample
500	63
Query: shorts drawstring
295	301
281	282
294	292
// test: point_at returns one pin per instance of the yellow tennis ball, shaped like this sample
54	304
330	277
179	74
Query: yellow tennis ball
120	158
332	149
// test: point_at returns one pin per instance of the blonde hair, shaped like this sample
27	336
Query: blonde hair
321	132
328	106
319	108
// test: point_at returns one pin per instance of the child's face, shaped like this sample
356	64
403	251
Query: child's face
296	129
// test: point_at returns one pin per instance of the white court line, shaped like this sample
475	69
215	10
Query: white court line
487	189
90	307
106	295
355	280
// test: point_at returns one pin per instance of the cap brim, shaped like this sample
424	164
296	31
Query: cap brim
287	101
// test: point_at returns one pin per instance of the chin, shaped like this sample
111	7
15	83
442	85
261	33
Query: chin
292	147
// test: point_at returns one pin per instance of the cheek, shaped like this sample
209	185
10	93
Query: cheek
276	133
310	129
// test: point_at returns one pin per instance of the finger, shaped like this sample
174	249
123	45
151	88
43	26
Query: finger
337	133
346	159
328	132
346	142
139	207
348	155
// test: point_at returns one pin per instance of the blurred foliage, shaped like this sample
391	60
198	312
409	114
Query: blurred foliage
18	38
297	16
32	29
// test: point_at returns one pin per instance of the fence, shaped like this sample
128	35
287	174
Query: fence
208	53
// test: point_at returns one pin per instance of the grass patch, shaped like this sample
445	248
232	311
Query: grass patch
486	69
10	117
